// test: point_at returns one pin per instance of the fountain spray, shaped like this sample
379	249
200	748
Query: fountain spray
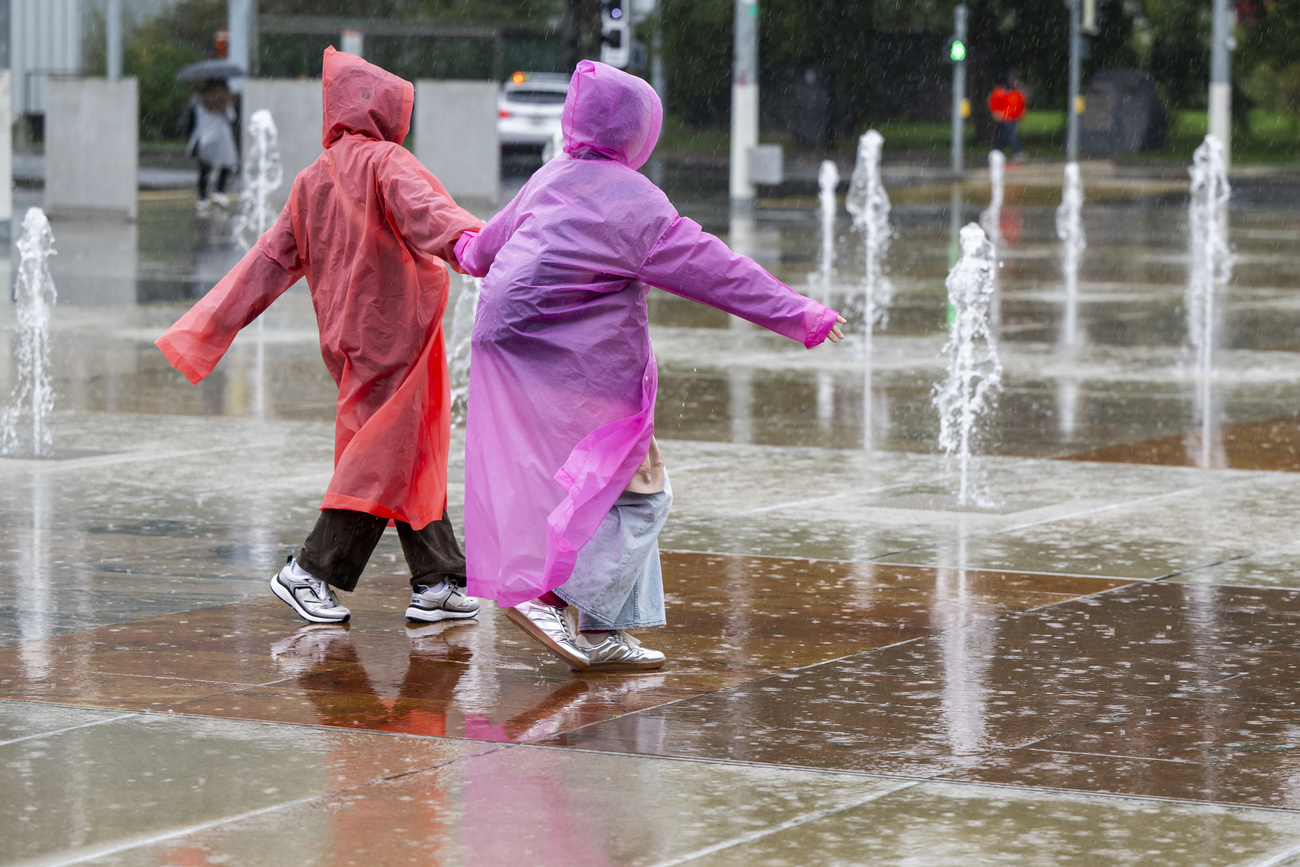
828	180
263	175
974	371
462	330
1210	263
869	205
1069	228
991	221
36	296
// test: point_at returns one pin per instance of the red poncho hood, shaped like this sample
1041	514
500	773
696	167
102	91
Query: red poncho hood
361	99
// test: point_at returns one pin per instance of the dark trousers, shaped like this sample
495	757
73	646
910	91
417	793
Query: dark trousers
205	171
1007	135
340	545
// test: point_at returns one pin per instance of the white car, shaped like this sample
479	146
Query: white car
529	107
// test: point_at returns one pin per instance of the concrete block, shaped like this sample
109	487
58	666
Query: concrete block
456	136
91	145
295	106
766	164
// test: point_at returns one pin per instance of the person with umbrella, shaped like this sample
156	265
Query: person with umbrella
210	120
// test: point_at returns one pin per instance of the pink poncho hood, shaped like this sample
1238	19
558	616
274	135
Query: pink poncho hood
610	114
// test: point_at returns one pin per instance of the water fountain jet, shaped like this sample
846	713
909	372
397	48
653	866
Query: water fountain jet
1210	266
263	175
458	356
828	180
33	393
1069	228
869	204
974	370
991	221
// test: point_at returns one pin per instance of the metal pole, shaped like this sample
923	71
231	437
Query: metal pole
744	102
1073	109
658	79
958	91
240	18
1220	78
113	35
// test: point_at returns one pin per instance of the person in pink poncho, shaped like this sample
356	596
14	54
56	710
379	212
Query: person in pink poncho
565	489
370	228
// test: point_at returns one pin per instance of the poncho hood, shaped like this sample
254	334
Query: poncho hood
362	99
610	114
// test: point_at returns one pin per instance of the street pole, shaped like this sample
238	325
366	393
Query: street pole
1220	78
241	22
958	91
113	38
1073	110
744	103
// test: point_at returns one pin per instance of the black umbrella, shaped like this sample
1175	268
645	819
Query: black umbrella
210	70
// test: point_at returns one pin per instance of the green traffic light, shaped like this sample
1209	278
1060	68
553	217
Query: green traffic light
957	51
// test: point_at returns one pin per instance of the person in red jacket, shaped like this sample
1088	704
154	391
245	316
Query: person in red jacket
370	228
1007	105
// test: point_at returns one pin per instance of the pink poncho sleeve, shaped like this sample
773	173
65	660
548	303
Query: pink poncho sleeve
689	262
197	342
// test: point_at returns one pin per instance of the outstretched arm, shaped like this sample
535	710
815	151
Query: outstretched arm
197	342
422	210
478	250
689	262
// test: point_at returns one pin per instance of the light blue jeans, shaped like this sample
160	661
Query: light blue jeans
617	582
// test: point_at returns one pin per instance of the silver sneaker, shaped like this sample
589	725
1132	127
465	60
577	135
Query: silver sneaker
312	598
619	652
445	601
549	626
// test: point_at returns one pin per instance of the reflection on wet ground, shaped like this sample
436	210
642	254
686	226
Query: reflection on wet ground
1100	665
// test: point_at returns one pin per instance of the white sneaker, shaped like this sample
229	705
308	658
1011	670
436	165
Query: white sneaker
312	598
445	601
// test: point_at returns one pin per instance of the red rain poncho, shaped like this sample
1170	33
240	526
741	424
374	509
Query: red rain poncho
366	224
562	379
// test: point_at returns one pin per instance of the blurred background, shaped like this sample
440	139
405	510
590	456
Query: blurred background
828	69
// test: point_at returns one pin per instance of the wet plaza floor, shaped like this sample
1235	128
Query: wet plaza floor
1100	666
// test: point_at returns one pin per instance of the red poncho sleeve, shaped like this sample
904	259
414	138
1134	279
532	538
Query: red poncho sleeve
197	342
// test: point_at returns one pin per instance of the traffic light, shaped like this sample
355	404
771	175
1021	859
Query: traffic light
956	50
616	33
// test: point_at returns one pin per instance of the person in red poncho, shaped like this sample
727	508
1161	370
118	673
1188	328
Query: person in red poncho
1007	105
370	228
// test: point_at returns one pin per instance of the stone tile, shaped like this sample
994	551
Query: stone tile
93	788
561	806
939	824
981	699
1263	445
23	720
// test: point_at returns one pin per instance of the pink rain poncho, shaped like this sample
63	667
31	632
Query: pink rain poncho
369	227
562	379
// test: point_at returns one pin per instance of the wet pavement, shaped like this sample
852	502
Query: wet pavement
1098	667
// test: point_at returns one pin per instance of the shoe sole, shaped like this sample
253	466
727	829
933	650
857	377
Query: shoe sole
626	666
424	615
518	618
287	598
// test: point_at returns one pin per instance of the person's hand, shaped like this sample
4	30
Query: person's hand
836	335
